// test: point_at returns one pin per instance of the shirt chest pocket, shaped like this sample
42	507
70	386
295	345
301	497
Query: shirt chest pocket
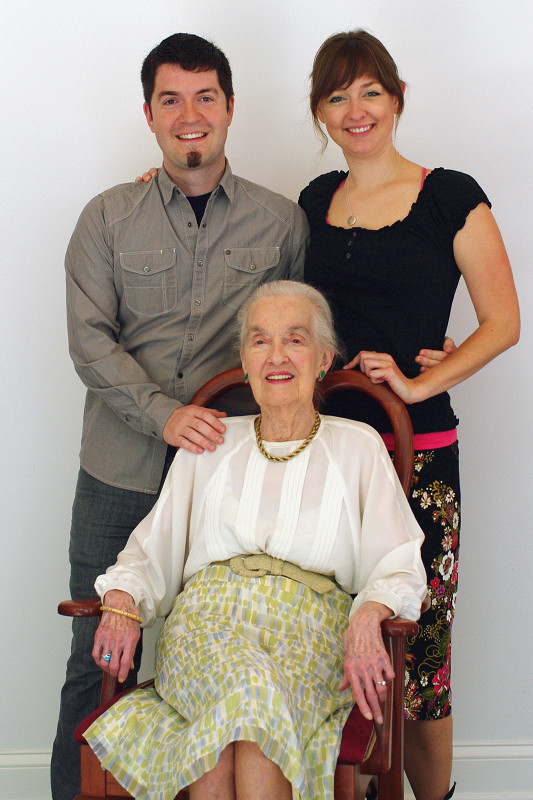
150	281
244	269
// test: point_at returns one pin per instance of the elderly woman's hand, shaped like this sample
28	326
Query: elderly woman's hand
117	636
367	666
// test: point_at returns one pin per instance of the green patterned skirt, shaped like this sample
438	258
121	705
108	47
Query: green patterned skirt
254	659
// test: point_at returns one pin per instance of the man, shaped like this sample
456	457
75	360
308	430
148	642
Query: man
155	275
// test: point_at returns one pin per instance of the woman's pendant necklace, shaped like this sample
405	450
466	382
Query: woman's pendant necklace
352	219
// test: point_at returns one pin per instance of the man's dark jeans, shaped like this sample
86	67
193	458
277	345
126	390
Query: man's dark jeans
102	519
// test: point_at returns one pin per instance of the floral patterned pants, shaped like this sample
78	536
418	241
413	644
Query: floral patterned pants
435	501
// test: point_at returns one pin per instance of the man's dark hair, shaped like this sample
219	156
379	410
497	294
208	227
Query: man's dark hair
190	52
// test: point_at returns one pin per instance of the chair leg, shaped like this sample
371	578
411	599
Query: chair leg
390	784
93	783
345	782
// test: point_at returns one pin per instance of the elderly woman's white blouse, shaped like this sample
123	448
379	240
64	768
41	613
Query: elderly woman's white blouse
336	508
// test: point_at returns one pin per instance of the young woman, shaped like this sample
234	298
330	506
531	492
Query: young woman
390	240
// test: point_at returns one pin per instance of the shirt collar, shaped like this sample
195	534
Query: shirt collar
167	186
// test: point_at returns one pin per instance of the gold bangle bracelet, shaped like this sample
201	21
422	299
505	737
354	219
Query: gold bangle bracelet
124	613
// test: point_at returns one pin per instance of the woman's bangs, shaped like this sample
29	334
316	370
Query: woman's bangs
349	65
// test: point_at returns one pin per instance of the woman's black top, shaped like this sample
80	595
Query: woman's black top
391	290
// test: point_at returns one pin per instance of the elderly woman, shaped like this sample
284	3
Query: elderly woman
257	671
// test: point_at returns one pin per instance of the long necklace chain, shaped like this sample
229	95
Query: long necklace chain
257	427
352	219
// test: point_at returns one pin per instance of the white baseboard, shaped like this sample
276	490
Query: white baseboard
25	774
489	771
483	771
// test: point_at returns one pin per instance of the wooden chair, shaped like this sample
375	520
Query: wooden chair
386	758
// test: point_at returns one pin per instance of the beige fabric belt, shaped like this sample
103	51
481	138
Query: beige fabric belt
256	566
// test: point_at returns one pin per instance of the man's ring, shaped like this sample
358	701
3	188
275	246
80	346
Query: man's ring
107	657
381	683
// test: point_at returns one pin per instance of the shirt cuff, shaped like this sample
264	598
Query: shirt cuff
158	413
388	599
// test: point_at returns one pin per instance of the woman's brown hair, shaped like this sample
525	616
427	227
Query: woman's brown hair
347	56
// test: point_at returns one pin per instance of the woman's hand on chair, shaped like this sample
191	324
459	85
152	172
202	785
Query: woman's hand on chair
382	368
116	637
367	666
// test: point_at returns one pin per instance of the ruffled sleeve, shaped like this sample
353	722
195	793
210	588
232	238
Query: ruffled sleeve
451	196
315	199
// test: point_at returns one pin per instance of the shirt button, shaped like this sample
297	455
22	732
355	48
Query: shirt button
191	337
200	263
189	224
354	234
146	269
252	266
180	375
196	302
348	255
350	243
204	224
227	252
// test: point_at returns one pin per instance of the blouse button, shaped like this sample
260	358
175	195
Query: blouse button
348	255
354	234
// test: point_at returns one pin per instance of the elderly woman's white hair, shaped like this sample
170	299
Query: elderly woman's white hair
323	328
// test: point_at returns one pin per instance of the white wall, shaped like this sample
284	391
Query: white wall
73	125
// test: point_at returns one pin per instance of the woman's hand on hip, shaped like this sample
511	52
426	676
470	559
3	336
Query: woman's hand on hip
427	359
117	636
367	666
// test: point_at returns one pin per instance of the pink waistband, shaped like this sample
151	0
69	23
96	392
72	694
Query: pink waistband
425	441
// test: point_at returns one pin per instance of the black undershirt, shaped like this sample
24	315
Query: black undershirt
198	204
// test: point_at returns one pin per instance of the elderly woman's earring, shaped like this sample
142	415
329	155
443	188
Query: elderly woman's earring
322	375
245	379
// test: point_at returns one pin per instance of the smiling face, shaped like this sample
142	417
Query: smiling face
360	118
190	117
281	354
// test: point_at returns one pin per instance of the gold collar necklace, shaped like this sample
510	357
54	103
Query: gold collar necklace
257	427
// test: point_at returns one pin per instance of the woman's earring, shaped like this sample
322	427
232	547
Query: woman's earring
245	377
322	375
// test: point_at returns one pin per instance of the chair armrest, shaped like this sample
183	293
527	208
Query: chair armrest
90	607
398	626
87	607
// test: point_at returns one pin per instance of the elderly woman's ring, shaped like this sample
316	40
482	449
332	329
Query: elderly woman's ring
107	657
381	683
